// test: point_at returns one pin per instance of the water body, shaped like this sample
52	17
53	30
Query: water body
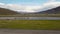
31	18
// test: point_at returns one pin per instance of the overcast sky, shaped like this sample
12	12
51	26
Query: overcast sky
29	5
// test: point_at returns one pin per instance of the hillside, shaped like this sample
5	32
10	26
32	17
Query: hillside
55	12
51	11
7	12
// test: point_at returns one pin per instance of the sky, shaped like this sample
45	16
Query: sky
27	2
29	6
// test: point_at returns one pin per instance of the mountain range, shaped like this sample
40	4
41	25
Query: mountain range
51	11
4	11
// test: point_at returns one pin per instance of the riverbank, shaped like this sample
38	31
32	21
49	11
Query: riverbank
29	18
32	15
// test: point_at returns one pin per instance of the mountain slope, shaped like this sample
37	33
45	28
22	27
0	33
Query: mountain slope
4	11
51	11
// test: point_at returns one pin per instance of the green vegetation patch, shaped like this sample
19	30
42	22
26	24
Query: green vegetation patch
31	15
31	24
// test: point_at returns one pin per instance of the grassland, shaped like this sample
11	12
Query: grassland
31	24
32	15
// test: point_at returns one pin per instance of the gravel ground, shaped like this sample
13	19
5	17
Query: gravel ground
17	31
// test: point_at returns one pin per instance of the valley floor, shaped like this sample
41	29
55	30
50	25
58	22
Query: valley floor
31	24
32	15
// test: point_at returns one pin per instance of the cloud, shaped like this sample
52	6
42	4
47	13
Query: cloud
31	9
50	5
52	0
21	8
